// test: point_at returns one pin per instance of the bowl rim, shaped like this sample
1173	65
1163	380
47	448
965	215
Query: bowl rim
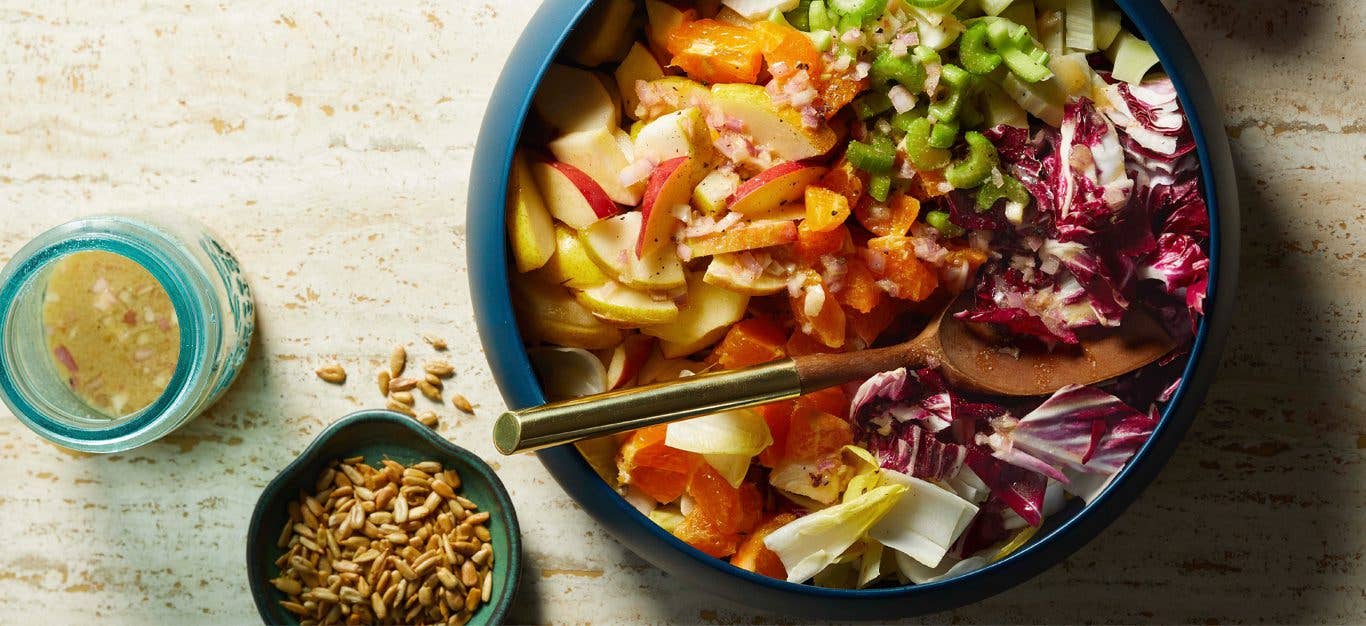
489	275
506	515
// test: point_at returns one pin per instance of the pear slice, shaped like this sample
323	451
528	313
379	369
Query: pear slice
611	243
623	306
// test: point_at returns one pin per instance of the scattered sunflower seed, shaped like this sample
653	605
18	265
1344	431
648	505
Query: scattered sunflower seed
436	343
430	420
460	402
402	383
405	397
439	368
382	378
395	405
432	392
398	360
332	373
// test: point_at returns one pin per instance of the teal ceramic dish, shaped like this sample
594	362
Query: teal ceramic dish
378	435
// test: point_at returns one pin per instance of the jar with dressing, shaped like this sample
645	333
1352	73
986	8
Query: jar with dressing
116	330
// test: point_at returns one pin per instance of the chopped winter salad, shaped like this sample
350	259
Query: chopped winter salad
714	185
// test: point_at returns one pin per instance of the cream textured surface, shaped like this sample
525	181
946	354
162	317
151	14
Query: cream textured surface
330	147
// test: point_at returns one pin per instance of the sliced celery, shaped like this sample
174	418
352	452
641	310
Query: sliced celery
879	186
940	221
943	135
818	17
975	168
1029	68
821	39
974	52
1108	25
955	83
1081	25
1133	58
800	17
1010	188
904	70
917	146
872	104
876	158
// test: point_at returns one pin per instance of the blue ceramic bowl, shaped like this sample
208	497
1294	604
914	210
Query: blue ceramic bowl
1063	533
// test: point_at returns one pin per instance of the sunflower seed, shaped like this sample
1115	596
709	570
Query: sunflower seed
429	419
430	391
439	368
383	378
459	401
332	373
399	407
398	359
435	342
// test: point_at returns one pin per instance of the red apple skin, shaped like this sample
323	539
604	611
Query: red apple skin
627	359
603	206
655	224
773	187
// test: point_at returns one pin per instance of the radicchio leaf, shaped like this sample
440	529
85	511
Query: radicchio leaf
1019	489
1090	182
1080	428
912	450
1182	267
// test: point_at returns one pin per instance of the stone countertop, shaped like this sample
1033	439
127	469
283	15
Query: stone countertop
330	148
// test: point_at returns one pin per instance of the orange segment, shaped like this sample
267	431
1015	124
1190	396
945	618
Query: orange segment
825	209
812	243
826	326
830	400
839	92
778	416
859	291
754	556
814	433
800	344
751	342
661	472
789	46
845	180
893	219
913	279
716	52
868	326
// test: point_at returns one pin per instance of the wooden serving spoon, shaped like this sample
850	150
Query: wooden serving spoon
967	359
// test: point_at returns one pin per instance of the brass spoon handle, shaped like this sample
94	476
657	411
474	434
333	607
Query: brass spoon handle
628	409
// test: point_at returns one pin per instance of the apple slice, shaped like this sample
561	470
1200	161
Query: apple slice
714	190
708	314
623	306
663	18
778	129
572	196
611	243
599	155
627	360
676	93
751	236
603	34
550	313
765	194
570	100
639	65
727	271
572	265
670	186
530	230
681	133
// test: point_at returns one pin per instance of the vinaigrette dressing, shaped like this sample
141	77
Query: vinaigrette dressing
111	331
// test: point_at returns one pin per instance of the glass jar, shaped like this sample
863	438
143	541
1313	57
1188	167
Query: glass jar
212	307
